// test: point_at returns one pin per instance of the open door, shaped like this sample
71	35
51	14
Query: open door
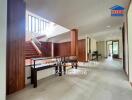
115	49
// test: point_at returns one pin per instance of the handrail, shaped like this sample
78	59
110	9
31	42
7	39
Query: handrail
34	38
37	45
36	41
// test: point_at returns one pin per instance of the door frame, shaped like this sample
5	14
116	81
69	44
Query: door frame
118	47
112	46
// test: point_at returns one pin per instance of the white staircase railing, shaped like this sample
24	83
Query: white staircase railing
37	45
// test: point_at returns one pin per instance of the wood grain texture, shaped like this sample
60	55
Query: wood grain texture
56	49
64	49
74	42
82	50
31	51
15	45
46	49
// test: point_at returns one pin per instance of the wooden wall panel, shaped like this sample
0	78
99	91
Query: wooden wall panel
15	45
64	49
46	49
56	49
82	50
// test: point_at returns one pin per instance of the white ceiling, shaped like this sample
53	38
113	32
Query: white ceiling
113	34
56	30
89	16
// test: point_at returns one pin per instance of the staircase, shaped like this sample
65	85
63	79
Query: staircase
30	51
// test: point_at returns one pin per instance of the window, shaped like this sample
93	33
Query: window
29	23
41	26
33	24
115	47
36	24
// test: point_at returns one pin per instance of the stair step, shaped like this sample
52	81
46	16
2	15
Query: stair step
32	55
35	56
30	51
26	47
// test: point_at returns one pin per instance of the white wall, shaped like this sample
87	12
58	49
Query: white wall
3	16
126	46
130	41
65	38
120	48
93	45
87	48
41	74
101	48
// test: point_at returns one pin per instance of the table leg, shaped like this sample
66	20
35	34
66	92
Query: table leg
72	65
64	68
56	69
76	65
34	78
60	70
32	75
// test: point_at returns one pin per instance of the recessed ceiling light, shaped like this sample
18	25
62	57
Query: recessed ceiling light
108	26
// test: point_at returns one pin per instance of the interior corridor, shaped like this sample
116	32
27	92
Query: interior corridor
104	80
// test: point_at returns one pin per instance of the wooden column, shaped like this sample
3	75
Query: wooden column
74	42
15	45
82	50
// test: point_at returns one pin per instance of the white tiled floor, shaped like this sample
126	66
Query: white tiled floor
103	80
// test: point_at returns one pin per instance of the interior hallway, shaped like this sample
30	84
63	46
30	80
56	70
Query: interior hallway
104	80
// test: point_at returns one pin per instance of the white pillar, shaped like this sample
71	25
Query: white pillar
3	16
130	41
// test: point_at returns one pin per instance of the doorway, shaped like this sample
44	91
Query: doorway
113	48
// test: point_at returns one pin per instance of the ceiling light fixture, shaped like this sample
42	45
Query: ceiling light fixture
108	26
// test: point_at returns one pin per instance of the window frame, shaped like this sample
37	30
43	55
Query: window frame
37	28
